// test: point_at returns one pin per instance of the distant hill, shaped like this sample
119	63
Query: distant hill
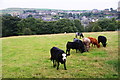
20	10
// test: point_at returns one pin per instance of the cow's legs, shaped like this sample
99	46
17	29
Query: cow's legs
58	66
80	37
68	50
54	63
65	66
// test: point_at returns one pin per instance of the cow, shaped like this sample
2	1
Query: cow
76	40
94	42
79	34
59	56
86	42
78	45
80	42
103	40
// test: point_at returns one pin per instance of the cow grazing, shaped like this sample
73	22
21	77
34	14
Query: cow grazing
103	40
79	34
86	42
59	56
78	45
94	42
81	43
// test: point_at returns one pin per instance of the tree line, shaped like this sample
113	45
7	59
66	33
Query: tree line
14	26
103	25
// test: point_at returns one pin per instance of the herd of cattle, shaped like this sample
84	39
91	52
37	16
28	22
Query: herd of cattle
59	56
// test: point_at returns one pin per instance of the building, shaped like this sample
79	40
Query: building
106	10
118	10
119	6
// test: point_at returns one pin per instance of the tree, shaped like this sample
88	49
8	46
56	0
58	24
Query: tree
65	25
96	29
0	26
78	15
30	15
88	28
9	25
118	13
104	23
70	15
111	27
108	24
111	9
27	31
78	25
118	25
27	23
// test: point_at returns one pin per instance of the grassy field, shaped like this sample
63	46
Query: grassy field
29	57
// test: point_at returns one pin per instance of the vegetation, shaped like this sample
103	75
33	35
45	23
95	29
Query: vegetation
13	26
29	57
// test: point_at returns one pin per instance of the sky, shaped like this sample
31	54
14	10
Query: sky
60	4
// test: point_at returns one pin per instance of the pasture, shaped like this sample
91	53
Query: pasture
29	57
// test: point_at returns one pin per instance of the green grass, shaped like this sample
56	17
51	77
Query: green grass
29	57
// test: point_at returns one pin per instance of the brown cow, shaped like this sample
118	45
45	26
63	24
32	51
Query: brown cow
94	42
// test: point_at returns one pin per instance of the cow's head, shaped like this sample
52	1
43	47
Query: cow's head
98	45
64	56
104	44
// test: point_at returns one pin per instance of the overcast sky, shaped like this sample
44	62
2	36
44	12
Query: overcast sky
60	4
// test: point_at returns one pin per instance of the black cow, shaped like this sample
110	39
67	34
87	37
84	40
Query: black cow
81	44
79	34
78	45
103	40
58	55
